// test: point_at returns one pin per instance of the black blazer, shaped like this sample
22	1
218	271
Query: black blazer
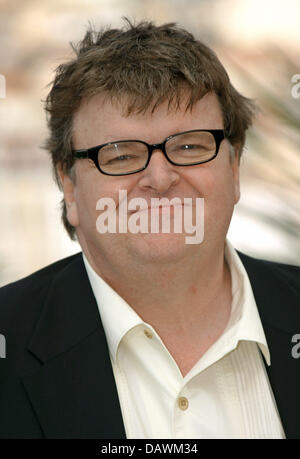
57	381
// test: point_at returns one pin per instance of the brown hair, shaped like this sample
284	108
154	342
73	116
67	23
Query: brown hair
147	64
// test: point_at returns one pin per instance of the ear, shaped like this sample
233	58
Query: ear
68	187
235	164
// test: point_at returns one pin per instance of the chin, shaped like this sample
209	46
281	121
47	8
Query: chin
160	247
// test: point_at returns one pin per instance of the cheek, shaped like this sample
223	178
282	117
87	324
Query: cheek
216	186
212	184
224	188
92	188
86	196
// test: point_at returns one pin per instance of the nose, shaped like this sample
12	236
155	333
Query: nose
160	174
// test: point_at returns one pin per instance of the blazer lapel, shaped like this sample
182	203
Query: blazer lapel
278	303
74	394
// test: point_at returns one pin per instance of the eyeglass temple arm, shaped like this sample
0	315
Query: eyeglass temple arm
81	154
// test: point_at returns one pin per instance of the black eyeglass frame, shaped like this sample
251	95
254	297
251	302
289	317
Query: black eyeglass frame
92	153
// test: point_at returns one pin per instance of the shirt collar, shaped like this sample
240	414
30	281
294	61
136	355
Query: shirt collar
244	323
118	317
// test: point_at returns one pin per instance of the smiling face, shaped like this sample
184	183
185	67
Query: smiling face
99	121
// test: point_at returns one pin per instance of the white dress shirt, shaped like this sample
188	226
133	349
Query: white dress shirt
226	394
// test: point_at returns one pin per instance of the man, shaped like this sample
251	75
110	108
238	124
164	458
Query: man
143	335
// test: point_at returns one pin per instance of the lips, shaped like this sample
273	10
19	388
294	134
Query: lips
162	208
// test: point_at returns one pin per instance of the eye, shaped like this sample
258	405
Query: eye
120	159
189	147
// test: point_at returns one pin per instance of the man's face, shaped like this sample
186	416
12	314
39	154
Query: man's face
99	121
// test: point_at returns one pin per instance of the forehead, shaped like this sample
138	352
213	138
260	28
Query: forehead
101	119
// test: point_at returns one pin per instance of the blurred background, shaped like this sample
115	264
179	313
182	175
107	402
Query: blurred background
258	43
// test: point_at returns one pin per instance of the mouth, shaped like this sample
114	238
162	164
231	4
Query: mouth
156	208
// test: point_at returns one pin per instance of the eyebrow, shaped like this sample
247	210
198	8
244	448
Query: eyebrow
113	138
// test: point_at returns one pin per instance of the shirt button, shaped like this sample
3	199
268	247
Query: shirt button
148	333
183	403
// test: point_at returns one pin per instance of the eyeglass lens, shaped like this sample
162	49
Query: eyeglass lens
182	149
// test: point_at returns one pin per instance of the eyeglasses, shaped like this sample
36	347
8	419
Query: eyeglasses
124	157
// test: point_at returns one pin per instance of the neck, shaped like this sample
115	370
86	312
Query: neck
174	297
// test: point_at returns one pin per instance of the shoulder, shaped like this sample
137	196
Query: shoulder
20	297
277	270
276	289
